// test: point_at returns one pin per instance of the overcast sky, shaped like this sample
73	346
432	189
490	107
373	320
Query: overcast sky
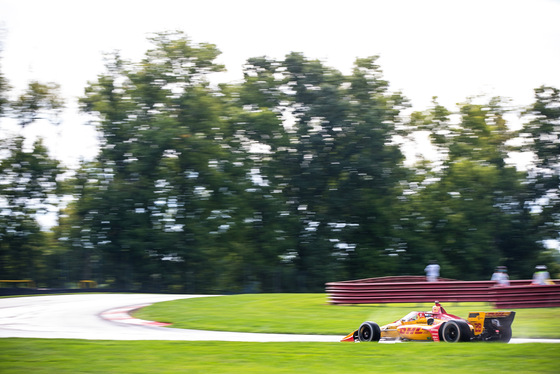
450	49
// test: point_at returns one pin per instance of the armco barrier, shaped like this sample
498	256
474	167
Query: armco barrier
521	294
526	296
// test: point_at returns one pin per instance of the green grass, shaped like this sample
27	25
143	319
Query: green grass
311	314
287	313
80	356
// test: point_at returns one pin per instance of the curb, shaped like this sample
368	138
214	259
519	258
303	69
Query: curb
122	315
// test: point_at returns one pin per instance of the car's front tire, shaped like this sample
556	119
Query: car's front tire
369	332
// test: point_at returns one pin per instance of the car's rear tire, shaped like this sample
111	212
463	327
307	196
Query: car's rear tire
505	334
455	331
369	332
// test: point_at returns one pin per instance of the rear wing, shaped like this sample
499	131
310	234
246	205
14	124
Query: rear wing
488	321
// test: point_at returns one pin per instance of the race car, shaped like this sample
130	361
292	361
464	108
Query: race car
438	325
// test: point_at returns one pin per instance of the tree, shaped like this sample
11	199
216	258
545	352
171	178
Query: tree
29	184
4	88
470	211
39	101
370	181
164	182
542	135
332	162
290	179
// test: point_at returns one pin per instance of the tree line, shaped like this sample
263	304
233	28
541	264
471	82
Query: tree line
293	177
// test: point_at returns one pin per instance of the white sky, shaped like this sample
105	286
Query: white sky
450	49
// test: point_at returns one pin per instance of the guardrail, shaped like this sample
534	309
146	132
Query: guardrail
526	296
520	294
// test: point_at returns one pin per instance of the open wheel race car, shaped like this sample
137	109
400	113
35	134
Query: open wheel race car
438	325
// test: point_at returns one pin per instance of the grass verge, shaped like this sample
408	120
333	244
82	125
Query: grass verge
311	314
80	356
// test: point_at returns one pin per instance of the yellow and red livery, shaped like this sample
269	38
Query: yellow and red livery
438	325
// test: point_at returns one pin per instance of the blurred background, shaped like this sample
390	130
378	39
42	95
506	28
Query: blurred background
275	148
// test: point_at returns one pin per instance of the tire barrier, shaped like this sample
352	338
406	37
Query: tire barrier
520	294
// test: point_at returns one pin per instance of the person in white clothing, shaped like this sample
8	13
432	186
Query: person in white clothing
541	276
500	276
432	271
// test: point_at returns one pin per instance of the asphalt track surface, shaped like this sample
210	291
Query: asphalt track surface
106	317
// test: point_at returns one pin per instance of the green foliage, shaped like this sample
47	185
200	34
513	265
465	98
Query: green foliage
179	195
291	178
4	88
28	185
541	136
470	211
40	101
159	193
29	182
